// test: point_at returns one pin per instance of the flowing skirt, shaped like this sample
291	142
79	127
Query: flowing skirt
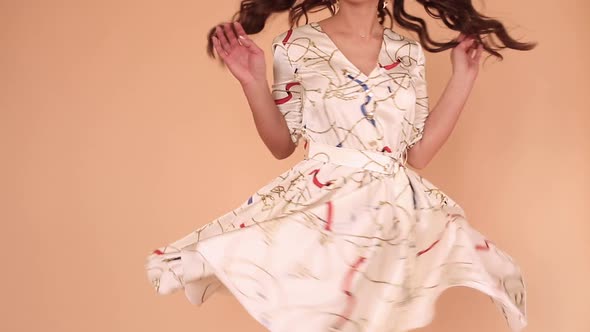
345	240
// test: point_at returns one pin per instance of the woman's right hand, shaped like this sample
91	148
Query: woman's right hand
243	58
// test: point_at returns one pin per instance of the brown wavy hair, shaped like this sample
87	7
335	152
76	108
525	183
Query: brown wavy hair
457	15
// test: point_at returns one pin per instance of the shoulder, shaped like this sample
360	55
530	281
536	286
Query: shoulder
288	36
416	50
402	39
406	45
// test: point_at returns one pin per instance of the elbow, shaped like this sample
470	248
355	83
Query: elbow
418	165
281	156
284	153
417	160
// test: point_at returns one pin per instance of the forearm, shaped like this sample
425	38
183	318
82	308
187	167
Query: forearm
441	121
270	123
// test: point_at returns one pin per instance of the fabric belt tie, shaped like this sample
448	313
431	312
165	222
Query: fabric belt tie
366	159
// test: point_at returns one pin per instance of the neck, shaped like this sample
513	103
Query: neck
358	18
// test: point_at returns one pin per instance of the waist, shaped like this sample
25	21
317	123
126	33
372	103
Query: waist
365	159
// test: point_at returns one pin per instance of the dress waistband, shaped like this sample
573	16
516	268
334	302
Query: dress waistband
366	159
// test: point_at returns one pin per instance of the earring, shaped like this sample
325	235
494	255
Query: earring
385	3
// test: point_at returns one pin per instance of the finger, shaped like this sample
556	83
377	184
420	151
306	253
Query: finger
470	50
463	43
231	36
474	48
242	35
240	29
245	41
217	46
479	52
460	37
467	43
222	39
220	51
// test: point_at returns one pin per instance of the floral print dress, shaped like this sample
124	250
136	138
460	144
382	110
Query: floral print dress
349	238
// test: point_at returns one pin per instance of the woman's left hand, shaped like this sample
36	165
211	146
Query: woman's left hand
465	57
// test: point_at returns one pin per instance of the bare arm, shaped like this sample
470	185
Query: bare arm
440	122
442	119
270	123
246	62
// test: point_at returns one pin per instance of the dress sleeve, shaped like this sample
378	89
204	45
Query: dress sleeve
286	87
421	110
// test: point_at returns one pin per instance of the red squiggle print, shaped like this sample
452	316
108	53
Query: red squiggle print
433	244
289	32
289	94
158	252
316	181
391	65
350	300
329	219
427	249
484	247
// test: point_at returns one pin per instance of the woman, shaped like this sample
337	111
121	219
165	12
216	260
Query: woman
350	238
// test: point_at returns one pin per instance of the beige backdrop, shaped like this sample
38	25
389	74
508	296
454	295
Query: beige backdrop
119	135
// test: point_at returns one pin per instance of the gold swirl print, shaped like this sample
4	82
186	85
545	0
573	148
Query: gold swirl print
350	238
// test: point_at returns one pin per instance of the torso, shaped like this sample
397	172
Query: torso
345	106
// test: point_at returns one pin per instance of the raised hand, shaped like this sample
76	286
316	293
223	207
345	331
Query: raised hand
243	58
465	57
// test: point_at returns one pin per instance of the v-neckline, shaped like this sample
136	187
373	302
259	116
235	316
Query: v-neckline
345	58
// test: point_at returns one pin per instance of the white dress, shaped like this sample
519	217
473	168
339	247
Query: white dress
349	238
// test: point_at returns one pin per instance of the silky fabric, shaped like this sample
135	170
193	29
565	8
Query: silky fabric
350	238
